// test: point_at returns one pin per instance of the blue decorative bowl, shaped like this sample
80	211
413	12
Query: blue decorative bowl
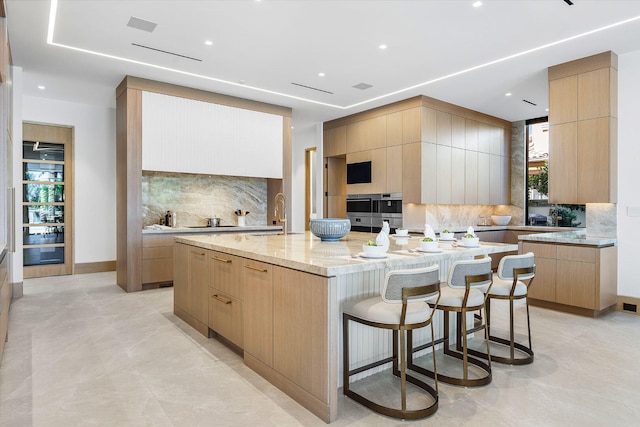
330	229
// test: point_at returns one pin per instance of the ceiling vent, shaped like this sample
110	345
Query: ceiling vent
529	102
312	88
362	86
165	51
141	24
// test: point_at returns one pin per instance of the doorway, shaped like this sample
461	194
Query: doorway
47	200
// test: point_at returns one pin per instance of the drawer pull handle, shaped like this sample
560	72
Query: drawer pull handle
221	259
262	270
221	299
197	253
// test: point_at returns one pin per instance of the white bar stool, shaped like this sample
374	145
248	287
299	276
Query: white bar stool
400	307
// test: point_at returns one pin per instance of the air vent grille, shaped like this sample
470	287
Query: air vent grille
141	24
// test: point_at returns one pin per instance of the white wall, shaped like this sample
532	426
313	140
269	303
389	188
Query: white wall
302	139
94	168
628	173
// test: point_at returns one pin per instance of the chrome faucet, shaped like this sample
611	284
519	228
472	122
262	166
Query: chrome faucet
280	198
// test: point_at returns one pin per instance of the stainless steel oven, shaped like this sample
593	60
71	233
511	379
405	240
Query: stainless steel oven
367	212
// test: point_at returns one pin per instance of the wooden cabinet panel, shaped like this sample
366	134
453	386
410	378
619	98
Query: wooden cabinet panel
443	128
199	278
394	128
224	274
544	284
563	100
411	125
471	134
429	119
594	94
378	160
577	253
335	141
336	207
301	331
495	180
593	161
157	270
541	250
458	176
445	174
336	176
458	132
225	316
471	178
181	285
419	173
484	183
367	134
575	283
484	138
394	170
563	163
257	313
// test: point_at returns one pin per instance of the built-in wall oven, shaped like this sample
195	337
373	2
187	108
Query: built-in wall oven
367	212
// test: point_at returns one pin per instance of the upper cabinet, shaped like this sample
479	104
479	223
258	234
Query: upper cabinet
221	140
435	152
583	130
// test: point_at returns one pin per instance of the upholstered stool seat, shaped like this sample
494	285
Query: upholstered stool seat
466	289
401	307
511	282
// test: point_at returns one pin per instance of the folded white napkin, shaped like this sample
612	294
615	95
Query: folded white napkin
428	232
470	231
386	228
382	239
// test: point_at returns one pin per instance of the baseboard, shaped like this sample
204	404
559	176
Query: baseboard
629	305
94	267
17	291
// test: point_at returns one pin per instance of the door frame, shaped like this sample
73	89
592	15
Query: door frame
58	134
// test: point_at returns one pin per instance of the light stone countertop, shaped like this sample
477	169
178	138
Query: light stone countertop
223	229
305	252
570	237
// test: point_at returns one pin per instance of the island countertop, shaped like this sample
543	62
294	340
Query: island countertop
305	252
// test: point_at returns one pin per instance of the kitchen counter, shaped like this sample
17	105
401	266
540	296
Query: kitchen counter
201	230
305	252
570	237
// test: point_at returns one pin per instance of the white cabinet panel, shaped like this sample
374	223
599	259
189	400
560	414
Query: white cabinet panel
189	136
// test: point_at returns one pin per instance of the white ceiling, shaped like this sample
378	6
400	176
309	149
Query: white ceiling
261	47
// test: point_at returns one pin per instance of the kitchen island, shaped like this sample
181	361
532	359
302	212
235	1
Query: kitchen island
277	299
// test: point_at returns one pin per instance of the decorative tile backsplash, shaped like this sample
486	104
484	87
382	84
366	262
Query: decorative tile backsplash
197	197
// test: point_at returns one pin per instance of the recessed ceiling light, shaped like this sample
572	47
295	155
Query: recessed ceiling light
320	74
242	82
546	109
477	4
41	87
208	43
507	94
383	46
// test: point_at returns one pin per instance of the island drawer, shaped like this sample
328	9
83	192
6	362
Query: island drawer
225	316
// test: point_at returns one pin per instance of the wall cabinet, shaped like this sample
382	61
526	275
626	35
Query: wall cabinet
335	142
581	278
447	157
583	130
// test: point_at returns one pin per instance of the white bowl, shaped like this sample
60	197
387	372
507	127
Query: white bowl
447	236
470	241
501	219
374	250
429	246
402	232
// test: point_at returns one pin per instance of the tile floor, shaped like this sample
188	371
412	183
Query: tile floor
82	352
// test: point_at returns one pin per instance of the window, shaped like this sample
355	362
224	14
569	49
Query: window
539	211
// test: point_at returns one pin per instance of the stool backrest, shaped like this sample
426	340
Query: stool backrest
396	280
511	262
473	267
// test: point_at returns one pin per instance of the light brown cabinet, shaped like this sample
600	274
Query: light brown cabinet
190	286
583	130
225	296
157	259
335	142
258	310
378	159
581	279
